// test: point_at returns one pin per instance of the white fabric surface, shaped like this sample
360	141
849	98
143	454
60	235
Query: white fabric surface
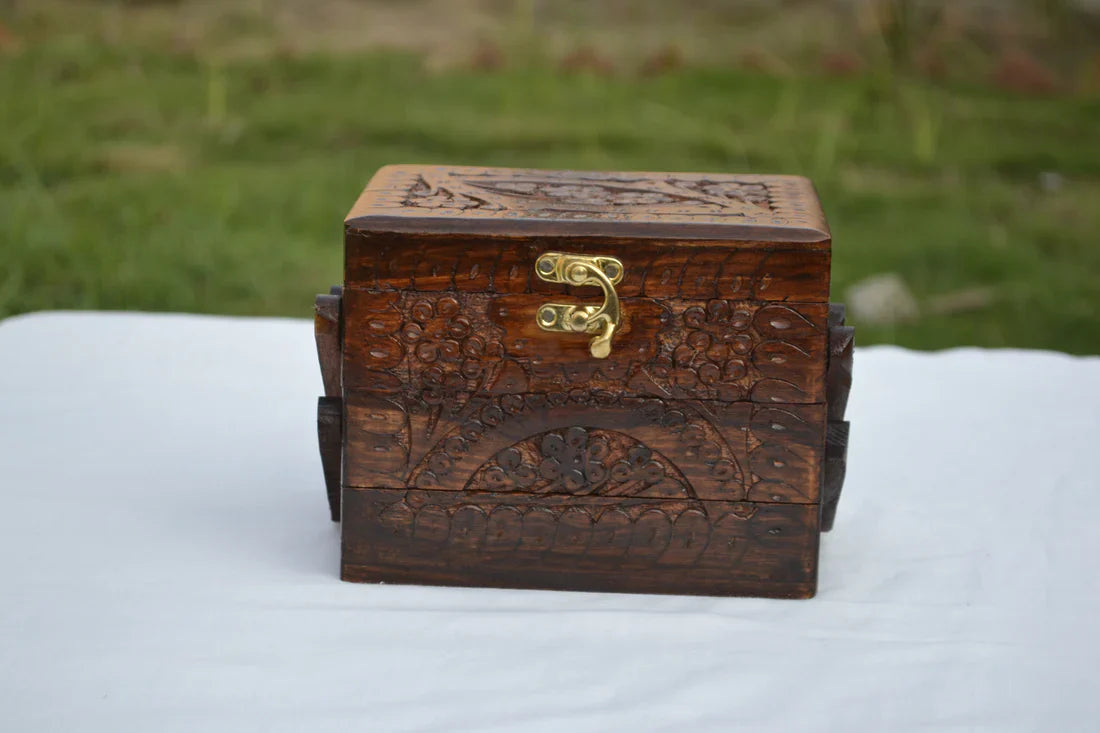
168	564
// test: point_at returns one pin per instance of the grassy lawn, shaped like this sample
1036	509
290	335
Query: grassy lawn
135	177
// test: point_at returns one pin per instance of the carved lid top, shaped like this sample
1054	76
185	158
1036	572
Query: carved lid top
502	201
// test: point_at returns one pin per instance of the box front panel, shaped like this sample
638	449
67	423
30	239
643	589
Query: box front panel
585	543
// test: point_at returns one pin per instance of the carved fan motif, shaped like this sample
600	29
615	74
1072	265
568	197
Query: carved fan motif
580	461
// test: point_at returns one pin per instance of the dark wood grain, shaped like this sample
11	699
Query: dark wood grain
506	264
589	543
675	349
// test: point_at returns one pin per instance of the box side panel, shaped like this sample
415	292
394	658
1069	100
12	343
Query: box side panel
582	444
580	543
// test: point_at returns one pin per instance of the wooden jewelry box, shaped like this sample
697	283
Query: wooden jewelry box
584	381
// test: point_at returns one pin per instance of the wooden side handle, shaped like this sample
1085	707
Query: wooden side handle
330	429
838	383
328	332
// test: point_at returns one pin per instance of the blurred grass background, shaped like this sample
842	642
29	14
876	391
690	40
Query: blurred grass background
200	156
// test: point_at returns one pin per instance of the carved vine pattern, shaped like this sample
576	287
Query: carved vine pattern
554	193
434	196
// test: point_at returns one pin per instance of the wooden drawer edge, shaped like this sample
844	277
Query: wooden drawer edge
588	543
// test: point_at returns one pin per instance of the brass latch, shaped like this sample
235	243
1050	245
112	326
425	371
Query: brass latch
602	320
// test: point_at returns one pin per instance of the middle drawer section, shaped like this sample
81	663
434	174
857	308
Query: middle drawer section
585	444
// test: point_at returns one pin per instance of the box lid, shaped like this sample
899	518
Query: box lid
508	201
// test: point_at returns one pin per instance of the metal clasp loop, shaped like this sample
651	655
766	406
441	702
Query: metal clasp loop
602	320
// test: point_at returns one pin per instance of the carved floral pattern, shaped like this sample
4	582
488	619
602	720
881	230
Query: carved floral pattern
449	346
578	461
710	350
449	357
725	350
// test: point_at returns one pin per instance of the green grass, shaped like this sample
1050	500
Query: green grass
133	178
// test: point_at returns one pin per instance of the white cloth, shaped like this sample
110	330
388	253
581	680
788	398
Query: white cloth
168	563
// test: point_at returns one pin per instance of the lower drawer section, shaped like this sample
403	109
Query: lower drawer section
513	540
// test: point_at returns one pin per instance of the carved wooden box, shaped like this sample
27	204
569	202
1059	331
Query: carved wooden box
587	381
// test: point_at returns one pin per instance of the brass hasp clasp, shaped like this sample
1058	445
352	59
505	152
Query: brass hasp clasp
601	320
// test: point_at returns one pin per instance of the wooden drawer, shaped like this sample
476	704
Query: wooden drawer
588	543
586	444
718	349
